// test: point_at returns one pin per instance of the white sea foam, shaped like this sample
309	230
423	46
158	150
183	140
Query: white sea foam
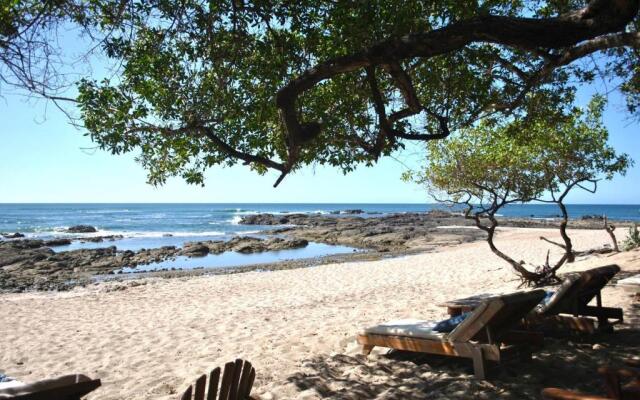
62	233
107	211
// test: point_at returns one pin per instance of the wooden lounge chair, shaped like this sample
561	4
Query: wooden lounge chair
569	307
620	384
237	381
568	310
68	387
485	334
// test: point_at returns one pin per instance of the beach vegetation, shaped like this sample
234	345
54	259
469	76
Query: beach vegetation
280	85
633	239
495	164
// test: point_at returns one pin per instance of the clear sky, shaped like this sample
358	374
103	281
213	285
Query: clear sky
45	159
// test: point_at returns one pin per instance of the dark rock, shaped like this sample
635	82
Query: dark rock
57	242
194	249
351	212
16	235
82	229
593	217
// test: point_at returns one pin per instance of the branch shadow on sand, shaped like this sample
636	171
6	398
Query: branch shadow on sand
567	363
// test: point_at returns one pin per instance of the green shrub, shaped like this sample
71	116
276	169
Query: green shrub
633	240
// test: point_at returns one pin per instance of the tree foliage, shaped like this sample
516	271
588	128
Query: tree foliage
281	84
32	54
522	160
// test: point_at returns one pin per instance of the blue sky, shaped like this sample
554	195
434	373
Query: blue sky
45	159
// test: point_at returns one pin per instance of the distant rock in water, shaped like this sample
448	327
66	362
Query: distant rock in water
349	212
16	235
268	219
592	217
82	229
57	242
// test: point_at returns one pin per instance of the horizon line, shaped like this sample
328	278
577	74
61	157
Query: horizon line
294	203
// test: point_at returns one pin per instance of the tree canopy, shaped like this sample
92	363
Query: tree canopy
498	163
284	84
279	84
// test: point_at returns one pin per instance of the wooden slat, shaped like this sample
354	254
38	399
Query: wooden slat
235	381
201	384
252	378
227	375
187	394
606	312
561	324
462	349
214	380
243	388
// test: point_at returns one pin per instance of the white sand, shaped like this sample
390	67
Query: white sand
150	341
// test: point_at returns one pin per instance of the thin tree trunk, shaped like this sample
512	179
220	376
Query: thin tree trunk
568	246
518	267
610	228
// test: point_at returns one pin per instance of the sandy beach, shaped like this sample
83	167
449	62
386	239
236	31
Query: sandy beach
149	339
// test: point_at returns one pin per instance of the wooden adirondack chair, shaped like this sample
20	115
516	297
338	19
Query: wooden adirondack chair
620	384
237	381
485	335
68	387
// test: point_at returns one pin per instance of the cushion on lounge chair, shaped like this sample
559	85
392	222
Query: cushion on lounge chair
448	325
567	284
415	328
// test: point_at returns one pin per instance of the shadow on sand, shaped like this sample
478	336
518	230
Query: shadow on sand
566	363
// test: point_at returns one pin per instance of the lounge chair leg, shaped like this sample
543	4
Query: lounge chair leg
366	349
479	363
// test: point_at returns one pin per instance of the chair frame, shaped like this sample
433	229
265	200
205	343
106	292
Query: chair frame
476	338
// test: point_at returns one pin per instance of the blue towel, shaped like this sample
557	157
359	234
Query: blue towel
4	378
450	324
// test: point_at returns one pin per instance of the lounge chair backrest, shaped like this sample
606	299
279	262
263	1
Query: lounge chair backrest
237	381
496	316
68	387
579	289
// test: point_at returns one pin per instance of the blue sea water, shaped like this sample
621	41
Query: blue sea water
155	225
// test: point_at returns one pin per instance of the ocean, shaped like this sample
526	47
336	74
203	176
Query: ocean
155	225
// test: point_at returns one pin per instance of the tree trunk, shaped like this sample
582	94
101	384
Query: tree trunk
524	273
610	228
568	246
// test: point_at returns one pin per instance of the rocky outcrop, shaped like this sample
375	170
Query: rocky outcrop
395	232
82	229
32	264
242	244
386	233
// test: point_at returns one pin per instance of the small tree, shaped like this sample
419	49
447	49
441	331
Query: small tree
572	153
490	166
